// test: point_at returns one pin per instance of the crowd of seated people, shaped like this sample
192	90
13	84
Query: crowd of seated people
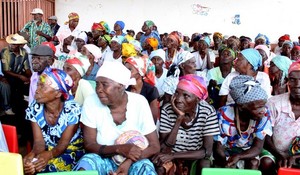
155	103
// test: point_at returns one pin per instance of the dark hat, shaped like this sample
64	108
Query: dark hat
42	50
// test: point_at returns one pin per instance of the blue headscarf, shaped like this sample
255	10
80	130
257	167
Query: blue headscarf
264	37
121	24
253	57
283	63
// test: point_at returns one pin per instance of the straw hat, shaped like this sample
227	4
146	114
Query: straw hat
37	11
15	39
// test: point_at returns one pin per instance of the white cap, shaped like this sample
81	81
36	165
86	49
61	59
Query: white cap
53	17
37	11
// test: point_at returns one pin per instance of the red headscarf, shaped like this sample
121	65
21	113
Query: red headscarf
97	26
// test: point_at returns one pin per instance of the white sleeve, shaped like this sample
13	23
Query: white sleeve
89	115
146	123
225	86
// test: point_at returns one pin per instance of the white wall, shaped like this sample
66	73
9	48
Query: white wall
271	17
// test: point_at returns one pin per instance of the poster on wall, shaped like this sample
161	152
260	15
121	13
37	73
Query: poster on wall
199	9
236	19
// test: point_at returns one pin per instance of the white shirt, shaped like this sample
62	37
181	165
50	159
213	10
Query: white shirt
160	81
138	118
261	77
109	57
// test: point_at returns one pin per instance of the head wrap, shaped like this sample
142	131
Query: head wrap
153	42
264	37
137	45
106	38
58	80
95	51
72	16
119	39
112	69
176	36
288	43
253	57
121	24
194	84
284	38
283	63
97	26
80	62
264	48
218	34
243	89
295	66
149	23
183	57
158	53
207	40
145	68
232	52
128	50
106	26
245	38
83	36
296	47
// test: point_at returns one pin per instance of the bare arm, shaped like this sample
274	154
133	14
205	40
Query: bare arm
154	106
223	100
153	147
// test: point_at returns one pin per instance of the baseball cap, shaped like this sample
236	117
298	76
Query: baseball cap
42	50
53	17
37	11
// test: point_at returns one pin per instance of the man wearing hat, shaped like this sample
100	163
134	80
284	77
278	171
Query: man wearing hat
16	67
52	21
38	30
42	57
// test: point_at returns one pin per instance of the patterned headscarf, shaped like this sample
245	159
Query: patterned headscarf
80	62
97	26
290	43
194	84
253	56
264	37
58	80
72	16
283	63
106	38
145	68
244	89
153	42
183	57
218	34
207	40
106	26
149	23
295	66
232	52
118	38
128	50
176	36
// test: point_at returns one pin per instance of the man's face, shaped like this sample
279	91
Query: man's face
37	17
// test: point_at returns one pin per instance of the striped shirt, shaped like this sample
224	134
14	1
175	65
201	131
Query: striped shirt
190	139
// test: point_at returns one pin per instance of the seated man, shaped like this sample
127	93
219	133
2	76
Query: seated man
16	66
5	94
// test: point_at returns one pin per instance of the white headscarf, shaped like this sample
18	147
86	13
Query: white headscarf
117	72
96	51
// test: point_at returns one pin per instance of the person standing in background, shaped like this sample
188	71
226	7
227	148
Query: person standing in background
38	30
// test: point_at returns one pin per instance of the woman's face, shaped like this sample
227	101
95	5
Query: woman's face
73	23
226	57
145	28
202	45
171	43
257	109
158	62
245	44
295	54
108	90
114	46
134	72
101	42
241	64
44	93
260	41
72	71
294	84
273	70
217	40
189	67
87	53
286	49
96	34
79	43
185	101
263	55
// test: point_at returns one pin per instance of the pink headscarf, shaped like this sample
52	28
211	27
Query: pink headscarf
194	84
295	66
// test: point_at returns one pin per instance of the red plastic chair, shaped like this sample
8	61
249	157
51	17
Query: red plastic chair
11	137
288	171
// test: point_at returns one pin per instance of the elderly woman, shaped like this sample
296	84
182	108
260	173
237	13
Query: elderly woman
247	63
295	53
286	49
144	74
121	111
103	44
264	51
173	48
54	117
279	74
76	68
187	126
80	41
284	109
116	49
93	53
243	125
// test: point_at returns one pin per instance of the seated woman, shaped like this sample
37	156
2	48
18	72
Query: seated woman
110	113
243	125
94	54
187	126
278	72
76	68
145	79
54	117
